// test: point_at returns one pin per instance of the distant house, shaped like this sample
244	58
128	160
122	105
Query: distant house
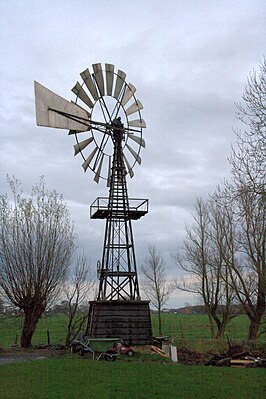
186	310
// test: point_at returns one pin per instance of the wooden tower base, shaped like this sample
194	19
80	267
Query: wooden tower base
129	320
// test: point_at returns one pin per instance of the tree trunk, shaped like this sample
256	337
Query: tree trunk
255	316
253	332
211	325
160	322
220	326
220	331
68	337
31	317
69	329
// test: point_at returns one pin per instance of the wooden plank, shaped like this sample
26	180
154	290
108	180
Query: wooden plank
242	361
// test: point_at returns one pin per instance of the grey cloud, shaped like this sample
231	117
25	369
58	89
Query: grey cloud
189	61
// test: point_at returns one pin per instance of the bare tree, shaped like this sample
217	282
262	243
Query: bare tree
36	245
248	198
76	290
246	253
226	297
225	250
202	259
157	289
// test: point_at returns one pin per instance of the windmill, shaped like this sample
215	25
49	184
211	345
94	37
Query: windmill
106	121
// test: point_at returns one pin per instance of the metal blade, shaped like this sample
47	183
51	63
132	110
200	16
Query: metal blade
135	107
86	77
98	173
130	171
83	144
98	74
109	173
120	80
80	92
135	155
89	115
50	110
137	123
137	139
77	105
86	163
109	72
129	92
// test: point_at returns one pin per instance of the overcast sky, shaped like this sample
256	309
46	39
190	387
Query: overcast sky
189	60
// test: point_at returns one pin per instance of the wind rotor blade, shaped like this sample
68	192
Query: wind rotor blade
86	163
89	115
109	72
137	139
50	109
86	77
137	123
82	95
98	74
98	173
135	155
120	80
135	107
78	105
130	171
83	144
129	92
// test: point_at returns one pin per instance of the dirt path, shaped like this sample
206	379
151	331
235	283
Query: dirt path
11	358
7	357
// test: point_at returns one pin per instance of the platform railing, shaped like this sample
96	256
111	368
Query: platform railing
137	207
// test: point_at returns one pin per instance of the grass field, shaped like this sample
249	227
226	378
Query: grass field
185	330
74	377
143	376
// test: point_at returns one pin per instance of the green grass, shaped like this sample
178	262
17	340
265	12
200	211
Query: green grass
10	328
197	326
143	376
191	331
73	377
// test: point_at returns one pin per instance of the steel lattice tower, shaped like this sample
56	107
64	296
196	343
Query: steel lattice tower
118	274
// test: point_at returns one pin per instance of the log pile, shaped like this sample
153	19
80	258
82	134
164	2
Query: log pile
241	359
